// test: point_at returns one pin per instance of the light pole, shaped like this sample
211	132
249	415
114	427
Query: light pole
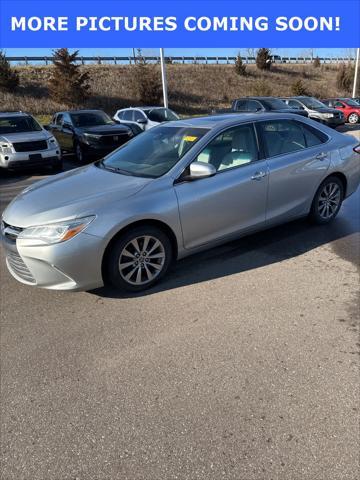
163	76
356	72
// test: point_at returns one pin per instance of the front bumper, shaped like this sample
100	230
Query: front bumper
71	265
96	150
41	158
332	122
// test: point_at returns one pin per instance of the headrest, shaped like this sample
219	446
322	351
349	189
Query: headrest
240	140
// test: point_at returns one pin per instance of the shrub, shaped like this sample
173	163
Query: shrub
67	84
240	67
344	77
9	78
263	59
147	80
316	62
262	88
298	88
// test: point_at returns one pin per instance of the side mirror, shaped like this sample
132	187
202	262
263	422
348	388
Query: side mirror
67	125
46	127
141	121
201	170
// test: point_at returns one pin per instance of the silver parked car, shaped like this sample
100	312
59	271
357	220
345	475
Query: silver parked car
172	191
145	117
24	143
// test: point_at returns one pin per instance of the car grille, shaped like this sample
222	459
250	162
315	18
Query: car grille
114	140
30	146
10	232
16	264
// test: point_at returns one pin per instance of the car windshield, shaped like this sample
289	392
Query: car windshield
18	124
275	103
352	103
312	103
154	152
161	115
90	119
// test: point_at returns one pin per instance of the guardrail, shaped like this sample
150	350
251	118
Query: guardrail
28	60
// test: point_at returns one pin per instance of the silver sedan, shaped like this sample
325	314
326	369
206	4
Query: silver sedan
172	191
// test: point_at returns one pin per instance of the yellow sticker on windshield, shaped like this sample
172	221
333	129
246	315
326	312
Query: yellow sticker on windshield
188	138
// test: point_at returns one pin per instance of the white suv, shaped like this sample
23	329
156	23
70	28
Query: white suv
145	117
25	143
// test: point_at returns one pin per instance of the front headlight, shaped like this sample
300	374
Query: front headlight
52	143
328	115
6	148
56	232
91	137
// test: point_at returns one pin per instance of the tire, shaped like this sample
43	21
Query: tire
79	152
353	118
133	269
57	167
327	201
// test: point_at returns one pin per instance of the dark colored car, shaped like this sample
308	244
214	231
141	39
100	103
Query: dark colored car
316	110
348	106
262	104
90	134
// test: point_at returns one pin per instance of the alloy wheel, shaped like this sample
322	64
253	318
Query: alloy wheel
142	260
329	200
353	118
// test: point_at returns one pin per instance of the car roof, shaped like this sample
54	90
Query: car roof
80	111
15	114
254	97
142	108
225	120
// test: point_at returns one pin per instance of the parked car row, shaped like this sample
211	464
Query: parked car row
92	134
89	134
332	111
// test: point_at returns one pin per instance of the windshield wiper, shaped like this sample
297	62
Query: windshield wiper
113	169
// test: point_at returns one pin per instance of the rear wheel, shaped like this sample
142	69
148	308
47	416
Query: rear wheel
139	258
327	201
353	118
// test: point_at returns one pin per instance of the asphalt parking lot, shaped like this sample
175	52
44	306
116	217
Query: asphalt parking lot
242	364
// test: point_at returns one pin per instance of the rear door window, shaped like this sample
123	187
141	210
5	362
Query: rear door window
128	115
253	106
59	119
240	105
282	136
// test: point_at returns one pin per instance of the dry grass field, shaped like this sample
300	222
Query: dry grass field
193	89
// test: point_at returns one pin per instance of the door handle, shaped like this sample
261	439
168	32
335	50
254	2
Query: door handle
258	175
321	156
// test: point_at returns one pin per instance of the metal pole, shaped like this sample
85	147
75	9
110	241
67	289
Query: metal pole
163	76
356	72
134	55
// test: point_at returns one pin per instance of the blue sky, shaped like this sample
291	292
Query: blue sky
321	52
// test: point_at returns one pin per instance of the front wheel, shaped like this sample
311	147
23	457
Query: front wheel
79	153
57	167
139	258
327	201
353	118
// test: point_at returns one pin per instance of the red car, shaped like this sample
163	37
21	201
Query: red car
349	107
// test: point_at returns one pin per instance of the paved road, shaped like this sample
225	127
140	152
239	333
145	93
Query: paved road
242	365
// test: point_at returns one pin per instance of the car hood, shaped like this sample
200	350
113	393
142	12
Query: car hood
105	129
71	194
24	137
